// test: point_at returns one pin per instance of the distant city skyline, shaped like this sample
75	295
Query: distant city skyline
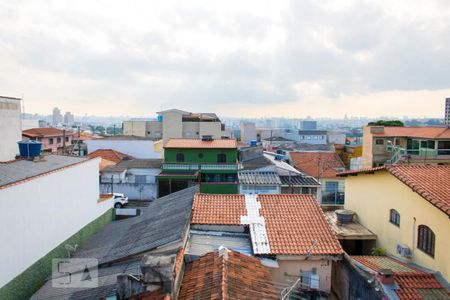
258	58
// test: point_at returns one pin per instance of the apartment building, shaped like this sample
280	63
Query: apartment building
175	123
416	145
211	163
10	127
52	139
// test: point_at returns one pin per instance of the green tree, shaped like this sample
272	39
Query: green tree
387	123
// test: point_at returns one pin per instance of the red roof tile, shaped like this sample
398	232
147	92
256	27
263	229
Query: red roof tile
226	276
419	132
198	143
295	223
44	132
413	283
108	154
430	182
317	164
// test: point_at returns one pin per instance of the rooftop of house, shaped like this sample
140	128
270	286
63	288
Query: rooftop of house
299	180
203	116
283	168
278	139
348	231
412	282
295	223
109	154
201	144
418	132
317	163
45	132
10	98
151	241
259	178
256	163
124	138
312	132
430	182
22	170
134	164
225	274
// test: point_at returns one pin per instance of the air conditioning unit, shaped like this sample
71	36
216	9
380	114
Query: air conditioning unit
403	250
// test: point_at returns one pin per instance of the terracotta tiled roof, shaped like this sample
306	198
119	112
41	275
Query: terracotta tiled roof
108	154
413	283
231	275
43	132
198	143
430	182
295	223
317	164
419	132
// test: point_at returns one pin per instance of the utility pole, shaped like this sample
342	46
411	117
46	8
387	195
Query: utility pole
64	141
114	129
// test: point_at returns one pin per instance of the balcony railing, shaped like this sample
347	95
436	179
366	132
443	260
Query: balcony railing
205	167
421	153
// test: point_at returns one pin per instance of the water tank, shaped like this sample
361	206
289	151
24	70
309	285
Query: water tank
253	143
29	148
159	118
344	215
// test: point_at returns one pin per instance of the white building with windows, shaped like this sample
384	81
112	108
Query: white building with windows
136	178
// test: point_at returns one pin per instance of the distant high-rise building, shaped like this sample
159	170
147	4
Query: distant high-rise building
308	125
447	111
57	117
69	118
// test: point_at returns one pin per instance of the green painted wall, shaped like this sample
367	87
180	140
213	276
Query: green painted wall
219	188
27	283
192	155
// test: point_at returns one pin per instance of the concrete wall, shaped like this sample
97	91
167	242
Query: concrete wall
336	137
191	130
367	148
41	213
248	132
136	148
10	128
172	125
136	128
372	205
210	128
290	268
125	183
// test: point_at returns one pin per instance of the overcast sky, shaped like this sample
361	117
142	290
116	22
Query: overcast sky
236	58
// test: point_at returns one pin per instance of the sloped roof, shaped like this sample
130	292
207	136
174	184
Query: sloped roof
259	178
256	163
136	163
226	275
200	144
299	180
418	132
19	171
44	132
120	245
295	223
413	283
108	154
317	164
430	182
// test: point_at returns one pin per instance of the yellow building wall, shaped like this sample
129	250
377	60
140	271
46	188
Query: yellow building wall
372	196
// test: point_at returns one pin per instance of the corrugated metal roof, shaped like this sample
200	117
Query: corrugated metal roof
299	180
19	170
258	178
